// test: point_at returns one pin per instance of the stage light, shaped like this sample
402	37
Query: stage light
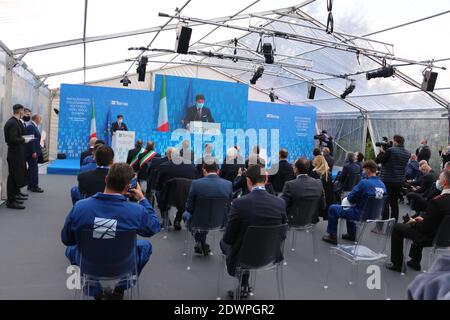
141	69
56	111
384	72
268	53
272	96
258	74
348	90
125	81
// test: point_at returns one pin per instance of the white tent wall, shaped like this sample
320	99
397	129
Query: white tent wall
414	127
4	114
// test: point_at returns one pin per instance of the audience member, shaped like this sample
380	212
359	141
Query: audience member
210	186
144	159
422	229
186	153
231	166
348	176
206	158
258	208
423	152
328	157
32	153
360	161
372	186
444	155
90	158
304	187
240	182
322	172
393	167
281	172
112	205
133	154
89	161
412	168
420	195
89	150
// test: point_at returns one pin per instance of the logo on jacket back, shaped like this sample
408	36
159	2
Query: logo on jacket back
379	193
104	228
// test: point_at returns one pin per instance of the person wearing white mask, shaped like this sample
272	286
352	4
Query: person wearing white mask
198	112
119	125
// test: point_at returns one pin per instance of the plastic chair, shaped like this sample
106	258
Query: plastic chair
301	217
262	249
441	244
209	216
108	262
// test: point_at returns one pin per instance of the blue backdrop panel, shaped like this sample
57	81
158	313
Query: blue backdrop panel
296	125
76	107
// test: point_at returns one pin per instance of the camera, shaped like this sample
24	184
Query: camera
385	144
324	138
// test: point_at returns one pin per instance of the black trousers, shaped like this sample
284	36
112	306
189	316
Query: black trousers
417	201
393	191
226	248
12	188
400	232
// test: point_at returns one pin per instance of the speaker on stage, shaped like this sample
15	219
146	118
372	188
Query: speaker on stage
183	38
311	90
429	80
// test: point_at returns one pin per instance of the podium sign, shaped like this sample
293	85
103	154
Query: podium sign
122	142
199	127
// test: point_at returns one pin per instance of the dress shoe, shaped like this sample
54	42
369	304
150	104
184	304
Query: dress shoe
245	292
206	249
20	198
330	239
177	225
22	194
37	190
198	248
19	202
393	267
414	265
117	294
348	237
14	205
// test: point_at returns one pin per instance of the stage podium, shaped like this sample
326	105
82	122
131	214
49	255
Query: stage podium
122	142
209	128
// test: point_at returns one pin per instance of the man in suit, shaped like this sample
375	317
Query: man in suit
422	229
372	186
153	168
119	125
198	112
112	207
90	158
423	152
303	187
206	158
93	181
17	178
88	152
282	172
230	167
133	154
412	168
258	208
175	168
32	153
144	159
349	171
186	152
421	194
210	186
89	162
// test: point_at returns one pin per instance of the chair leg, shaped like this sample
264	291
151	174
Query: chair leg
314	243
220	278
237	293
329	264
293	240
386	289
280	282
186	240
189	252
406	247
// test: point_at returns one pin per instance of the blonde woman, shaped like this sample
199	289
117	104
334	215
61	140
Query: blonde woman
321	171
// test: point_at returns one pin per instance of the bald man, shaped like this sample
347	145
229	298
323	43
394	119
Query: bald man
32	153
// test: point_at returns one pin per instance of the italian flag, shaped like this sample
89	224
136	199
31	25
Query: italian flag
93	126
163	119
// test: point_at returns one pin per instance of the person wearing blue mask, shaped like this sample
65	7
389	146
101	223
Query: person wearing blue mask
119	125
198	112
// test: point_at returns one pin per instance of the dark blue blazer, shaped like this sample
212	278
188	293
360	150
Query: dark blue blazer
258	208
169	170
34	146
211	186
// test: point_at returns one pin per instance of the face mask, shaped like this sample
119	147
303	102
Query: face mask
200	105
26	118
119	121
438	186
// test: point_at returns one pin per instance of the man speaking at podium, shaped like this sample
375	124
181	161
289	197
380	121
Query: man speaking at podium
119	125
198	112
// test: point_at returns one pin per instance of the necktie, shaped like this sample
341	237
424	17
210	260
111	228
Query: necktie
199	112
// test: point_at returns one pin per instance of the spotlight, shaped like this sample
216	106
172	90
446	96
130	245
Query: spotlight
348	90
258	74
125	81
384	72
142	68
56	111
268	53
272	96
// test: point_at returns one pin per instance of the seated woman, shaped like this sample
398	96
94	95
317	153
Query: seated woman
322	171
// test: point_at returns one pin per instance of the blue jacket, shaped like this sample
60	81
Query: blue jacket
88	159
34	146
363	190
412	170
211	186
89	214
88	167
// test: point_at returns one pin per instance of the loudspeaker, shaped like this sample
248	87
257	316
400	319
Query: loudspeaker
311	91
429	80
142	68
183	38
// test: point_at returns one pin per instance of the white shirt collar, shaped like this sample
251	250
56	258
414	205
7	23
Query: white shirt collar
302	175
34	123
445	191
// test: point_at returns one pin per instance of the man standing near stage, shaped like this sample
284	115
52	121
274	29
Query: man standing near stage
119	125
198	112
17	179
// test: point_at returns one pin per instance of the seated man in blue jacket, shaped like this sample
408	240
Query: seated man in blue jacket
372	186
210	186
112	204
